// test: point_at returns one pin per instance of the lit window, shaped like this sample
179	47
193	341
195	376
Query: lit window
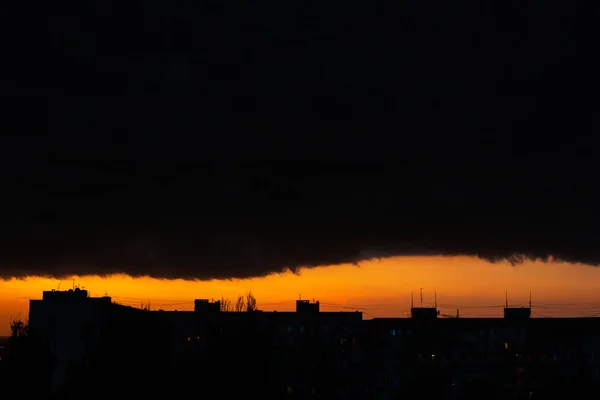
393	332
433	356
505	346
520	382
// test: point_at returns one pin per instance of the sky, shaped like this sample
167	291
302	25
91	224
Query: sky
379	288
246	140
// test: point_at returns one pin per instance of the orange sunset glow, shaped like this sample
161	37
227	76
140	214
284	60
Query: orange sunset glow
378	288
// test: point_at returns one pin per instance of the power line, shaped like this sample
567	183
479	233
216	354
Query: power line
589	307
484	306
148	299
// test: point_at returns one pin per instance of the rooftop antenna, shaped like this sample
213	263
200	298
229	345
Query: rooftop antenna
412	302
58	288
506	298
435	298
457	313
300	296
530	299
421	291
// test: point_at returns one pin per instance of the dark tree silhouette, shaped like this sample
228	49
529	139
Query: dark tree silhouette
226	304
240	304
250	302
18	328
146	306
28	360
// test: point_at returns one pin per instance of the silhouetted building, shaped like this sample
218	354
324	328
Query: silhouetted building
293	354
61	316
309	353
424	313
203	305
70	323
3	347
517	314
305	306
481	357
65	295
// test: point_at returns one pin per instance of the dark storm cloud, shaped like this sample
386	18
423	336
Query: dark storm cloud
251	222
156	141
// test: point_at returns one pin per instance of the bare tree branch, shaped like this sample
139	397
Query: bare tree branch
18	327
250	302
240	304
145	305
226	304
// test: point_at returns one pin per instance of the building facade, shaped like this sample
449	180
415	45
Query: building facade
334	355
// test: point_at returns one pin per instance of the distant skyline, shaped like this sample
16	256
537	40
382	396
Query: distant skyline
378	288
307	134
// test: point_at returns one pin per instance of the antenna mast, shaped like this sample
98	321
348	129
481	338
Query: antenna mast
412	301
73	283
421	291
530	300
506	298
435	299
